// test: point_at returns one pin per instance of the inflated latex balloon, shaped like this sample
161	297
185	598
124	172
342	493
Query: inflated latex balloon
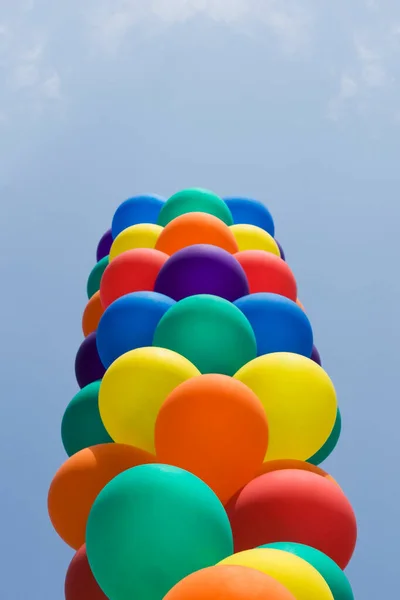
282	253
278	324
88	366
194	200
267	273
143	235
93	283
293	505
152	526
250	237
229	582
248	211
296	574
196	228
210	332
130	323
216	428
133	390
78	482
104	245
139	209
81	425
330	443
133	271
315	356
92	314
299	399
79	582
202	269
333	575
300	304
291	463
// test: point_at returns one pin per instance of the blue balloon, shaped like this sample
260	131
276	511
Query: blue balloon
139	209
278	323
251	212
129	323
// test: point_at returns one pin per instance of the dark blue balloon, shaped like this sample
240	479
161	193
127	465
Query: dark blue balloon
129	323
278	323
139	209
283	257
251	212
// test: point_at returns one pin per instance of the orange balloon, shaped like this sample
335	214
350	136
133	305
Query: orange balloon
196	228
228	582
300	304
92	314
79	481
214	428
289	463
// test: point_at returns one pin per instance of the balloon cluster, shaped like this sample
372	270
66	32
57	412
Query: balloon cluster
203	414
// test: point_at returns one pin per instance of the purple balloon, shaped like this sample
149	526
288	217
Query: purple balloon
280	250
88	366
104	246
202	269
315	356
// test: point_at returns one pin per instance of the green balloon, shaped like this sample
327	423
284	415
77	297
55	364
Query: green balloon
330	571
330	443
150	527
93	283
194	200
210	332
82	426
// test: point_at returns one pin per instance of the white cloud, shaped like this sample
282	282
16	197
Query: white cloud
51	87
348	89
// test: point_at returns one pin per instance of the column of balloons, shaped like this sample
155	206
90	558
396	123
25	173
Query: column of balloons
202	416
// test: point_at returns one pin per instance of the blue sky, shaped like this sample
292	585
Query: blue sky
296	104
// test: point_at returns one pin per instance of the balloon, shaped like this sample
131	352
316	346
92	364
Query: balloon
82	426
78	482
250	237
196	228
194	200
291	463
300	304
92	314
133	271
129	323
93	283
104	245
79	582
152	526
142	235
281	251
210	332
248	211
315	356
88	366
292	505
216	428
330	443
297	575
299	400
278	324
139	209
266	272
133	390
202	269
333	575
229	582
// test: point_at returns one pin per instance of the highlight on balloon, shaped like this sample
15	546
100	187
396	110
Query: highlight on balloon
201	417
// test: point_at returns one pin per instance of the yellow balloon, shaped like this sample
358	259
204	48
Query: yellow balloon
251	237
133	390
295	573
299	400
143	235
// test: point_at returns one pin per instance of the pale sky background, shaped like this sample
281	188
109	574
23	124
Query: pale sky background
293	102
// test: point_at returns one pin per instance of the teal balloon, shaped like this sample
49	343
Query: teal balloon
93	282
150	527
330	571
210	332
330	443
81	425
194	200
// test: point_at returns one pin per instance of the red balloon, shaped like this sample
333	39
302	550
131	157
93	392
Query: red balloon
80	583
294	506
132	271
267	273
